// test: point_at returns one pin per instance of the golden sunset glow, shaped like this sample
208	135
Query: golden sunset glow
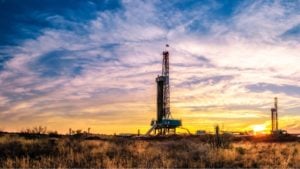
260	128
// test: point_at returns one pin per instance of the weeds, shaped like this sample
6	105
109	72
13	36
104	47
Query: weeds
71	152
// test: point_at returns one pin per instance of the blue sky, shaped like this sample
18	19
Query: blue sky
78	63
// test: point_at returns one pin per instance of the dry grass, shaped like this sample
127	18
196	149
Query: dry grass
16	152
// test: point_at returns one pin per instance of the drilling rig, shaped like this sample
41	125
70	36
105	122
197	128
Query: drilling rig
274	120
164	123
274	116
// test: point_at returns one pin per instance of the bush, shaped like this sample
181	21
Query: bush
240	150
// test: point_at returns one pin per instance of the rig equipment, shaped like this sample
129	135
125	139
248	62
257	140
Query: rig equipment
274	120
164	123
274	116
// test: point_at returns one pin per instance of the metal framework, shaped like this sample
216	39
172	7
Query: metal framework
164	124
166	90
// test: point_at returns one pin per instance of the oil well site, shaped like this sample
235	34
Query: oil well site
165	124
150	84
160	147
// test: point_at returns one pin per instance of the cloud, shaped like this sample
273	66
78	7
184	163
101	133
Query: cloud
94	62
287	89
207	81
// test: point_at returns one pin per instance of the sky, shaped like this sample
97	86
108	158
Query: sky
92	63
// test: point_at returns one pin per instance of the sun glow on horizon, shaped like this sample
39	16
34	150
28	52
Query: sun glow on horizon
259	129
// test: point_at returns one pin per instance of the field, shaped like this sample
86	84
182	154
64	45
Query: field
114	152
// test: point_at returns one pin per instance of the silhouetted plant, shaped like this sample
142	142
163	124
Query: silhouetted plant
219	140
53	134
240	150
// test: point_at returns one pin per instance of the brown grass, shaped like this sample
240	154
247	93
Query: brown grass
17	152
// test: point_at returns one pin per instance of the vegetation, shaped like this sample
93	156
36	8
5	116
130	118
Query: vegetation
114	152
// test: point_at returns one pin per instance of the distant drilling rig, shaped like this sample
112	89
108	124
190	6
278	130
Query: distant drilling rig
164	124
274	116
274	120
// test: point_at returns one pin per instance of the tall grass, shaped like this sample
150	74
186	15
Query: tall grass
67	152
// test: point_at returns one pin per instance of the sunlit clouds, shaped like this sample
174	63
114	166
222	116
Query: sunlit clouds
95	66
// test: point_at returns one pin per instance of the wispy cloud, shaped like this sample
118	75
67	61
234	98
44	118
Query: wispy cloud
96	64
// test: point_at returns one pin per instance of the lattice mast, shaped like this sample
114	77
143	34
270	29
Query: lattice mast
274	115
164	123
165	73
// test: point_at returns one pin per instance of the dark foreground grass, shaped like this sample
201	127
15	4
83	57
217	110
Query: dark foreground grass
69	152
